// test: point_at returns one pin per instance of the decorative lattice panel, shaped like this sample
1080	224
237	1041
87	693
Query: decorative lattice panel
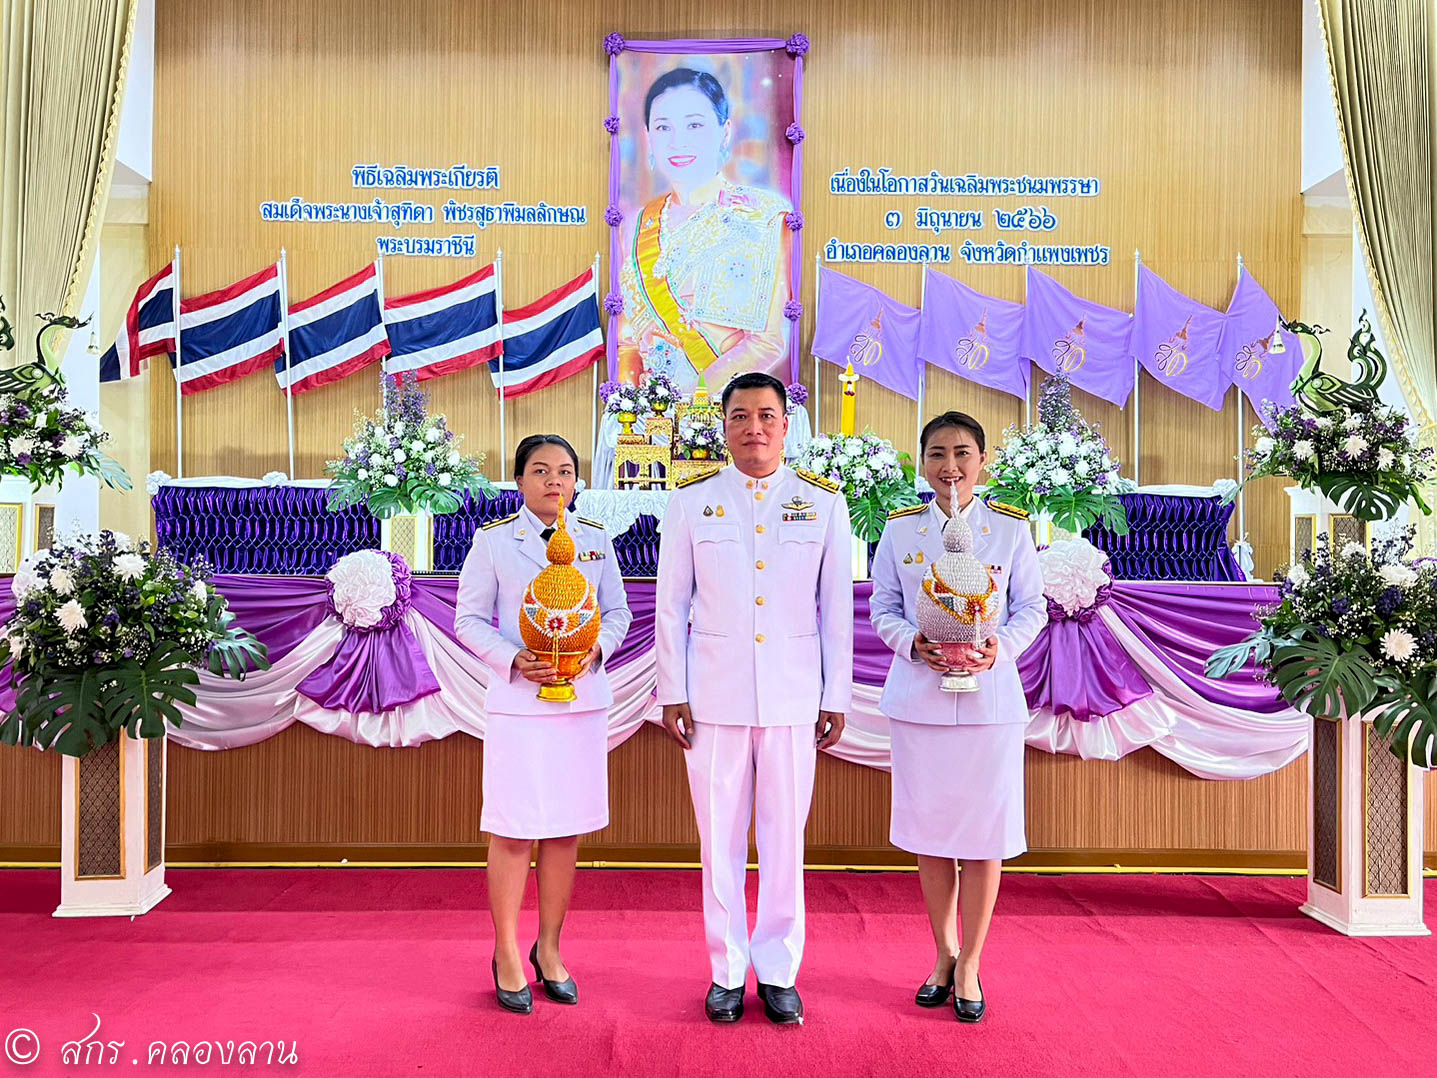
1385	793
1347	529
154	803
99	825
44	527
12	518
404	537
1326	803
1304	537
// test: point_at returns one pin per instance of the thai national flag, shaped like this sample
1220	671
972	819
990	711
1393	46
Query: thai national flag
551	338
444	329
149	329
335	333
228	334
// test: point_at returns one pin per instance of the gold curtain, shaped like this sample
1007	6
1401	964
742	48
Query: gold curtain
1380	55
62	78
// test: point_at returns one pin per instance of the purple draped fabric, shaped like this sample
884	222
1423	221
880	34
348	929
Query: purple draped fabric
372	672
1185	623
1075	667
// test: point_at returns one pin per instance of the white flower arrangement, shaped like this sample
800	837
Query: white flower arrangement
1073	573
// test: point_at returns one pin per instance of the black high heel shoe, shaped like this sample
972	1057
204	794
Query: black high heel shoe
559	991
520	1002
970	1010
934	995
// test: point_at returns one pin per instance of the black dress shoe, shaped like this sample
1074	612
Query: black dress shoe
934	995
782	1005
724	1004
559	991
520	1002
970	1010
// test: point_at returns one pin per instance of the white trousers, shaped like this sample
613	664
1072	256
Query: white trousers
734	770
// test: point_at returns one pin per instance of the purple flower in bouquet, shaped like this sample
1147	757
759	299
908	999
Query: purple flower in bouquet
657	388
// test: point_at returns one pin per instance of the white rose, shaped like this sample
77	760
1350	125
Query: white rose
72	616
130	566
445	479
1303	450
399	456
416	446
1395	575
1264	446
1298	577
433	434
1398	644
391	480
363	473
71	447
453	458
200	591
62	581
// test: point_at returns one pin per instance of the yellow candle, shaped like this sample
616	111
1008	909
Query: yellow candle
850	400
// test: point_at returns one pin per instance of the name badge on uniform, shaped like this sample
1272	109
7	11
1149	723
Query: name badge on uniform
591	555
796	509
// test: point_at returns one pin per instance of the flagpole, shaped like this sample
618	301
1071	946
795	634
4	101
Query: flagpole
594	399
817	367
379	281
1028	389
284	334
1241	446
1137	385
499	309
179	389
922	377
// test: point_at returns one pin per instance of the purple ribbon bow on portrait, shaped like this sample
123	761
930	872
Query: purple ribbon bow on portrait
1075	666
378	665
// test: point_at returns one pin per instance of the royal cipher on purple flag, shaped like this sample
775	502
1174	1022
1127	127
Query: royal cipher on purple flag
1178	341
972	335
1248	343
860	325
1090	343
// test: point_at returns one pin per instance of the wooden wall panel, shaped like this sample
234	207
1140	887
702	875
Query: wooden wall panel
1188	113
306	796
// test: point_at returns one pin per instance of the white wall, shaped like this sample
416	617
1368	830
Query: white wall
1321	146
77	506
137	117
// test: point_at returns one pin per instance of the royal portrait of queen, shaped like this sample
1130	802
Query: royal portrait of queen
704	266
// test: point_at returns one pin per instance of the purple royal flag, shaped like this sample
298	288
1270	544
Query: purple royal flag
972	335
860	325
1090	343
1178	341
1248	342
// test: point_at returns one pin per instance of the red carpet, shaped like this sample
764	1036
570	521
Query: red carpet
386	972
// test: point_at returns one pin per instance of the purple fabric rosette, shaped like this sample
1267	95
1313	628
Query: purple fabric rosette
378	665
1076	666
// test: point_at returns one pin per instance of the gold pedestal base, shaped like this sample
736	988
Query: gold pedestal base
560	692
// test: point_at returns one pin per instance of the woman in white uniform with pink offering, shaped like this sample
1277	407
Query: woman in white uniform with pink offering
957	756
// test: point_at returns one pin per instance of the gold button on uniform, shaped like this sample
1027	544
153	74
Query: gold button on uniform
750	484
758	496
758	565
758	639
759	600
759	529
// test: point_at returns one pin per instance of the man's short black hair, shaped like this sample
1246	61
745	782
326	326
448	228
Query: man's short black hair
755	380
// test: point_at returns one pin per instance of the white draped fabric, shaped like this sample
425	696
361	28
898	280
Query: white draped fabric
1207	739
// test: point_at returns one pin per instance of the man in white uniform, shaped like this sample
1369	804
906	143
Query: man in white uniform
754	634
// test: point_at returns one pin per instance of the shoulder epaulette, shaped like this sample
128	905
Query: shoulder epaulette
908	511
502	520
1008	510
590	523
697	477
817	480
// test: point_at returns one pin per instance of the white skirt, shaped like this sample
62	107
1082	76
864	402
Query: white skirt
958	790
546	776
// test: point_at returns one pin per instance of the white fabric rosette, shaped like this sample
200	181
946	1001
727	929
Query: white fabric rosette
1073	572
363	587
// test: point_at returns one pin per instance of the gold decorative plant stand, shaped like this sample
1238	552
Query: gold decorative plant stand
411	536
